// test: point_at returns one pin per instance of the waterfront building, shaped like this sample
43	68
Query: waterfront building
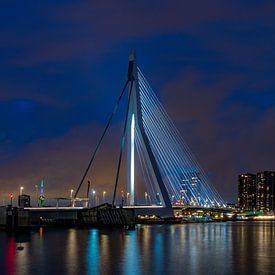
265	191
24	200
247	192
232	206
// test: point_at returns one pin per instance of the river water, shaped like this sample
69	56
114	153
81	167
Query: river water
212	248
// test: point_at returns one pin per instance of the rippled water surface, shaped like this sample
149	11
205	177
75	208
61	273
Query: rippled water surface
214	248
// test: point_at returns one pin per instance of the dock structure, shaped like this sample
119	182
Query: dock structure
14	218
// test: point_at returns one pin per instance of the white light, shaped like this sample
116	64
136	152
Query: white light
132	176
72	193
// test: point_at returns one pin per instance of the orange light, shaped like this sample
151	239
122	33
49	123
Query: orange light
11	196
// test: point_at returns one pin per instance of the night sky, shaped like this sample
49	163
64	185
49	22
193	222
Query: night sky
63	64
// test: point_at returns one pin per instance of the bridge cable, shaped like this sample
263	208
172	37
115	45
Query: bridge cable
122	144
101	138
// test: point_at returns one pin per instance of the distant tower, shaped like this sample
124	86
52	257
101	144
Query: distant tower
42	187
41	199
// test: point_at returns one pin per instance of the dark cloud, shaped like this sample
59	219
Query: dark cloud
87	29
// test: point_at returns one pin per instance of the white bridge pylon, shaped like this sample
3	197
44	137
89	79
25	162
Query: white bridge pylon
136	135
171	172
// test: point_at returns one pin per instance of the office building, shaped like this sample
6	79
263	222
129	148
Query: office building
265	191
247	192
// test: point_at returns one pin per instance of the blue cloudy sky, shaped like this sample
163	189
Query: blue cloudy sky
63	64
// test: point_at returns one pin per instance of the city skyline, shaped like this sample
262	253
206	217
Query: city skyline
62	71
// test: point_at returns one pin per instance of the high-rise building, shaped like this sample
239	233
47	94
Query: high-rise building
265	191
247	192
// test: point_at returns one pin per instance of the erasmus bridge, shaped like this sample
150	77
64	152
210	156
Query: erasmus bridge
171	173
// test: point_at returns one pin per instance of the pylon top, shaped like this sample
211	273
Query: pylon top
132	64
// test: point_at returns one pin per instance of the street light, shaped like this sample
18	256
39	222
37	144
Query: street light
103	196
145	195
122	198
36	191
11	197
173	199
127	199
94	192
21	190
72	200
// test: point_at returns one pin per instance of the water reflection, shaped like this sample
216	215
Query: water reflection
131	254
106	258
253	249
217	248
71	251
22	259
159	261
93	256
41	232
11	256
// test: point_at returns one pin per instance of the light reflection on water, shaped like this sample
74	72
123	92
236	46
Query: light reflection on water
215	248
93	255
